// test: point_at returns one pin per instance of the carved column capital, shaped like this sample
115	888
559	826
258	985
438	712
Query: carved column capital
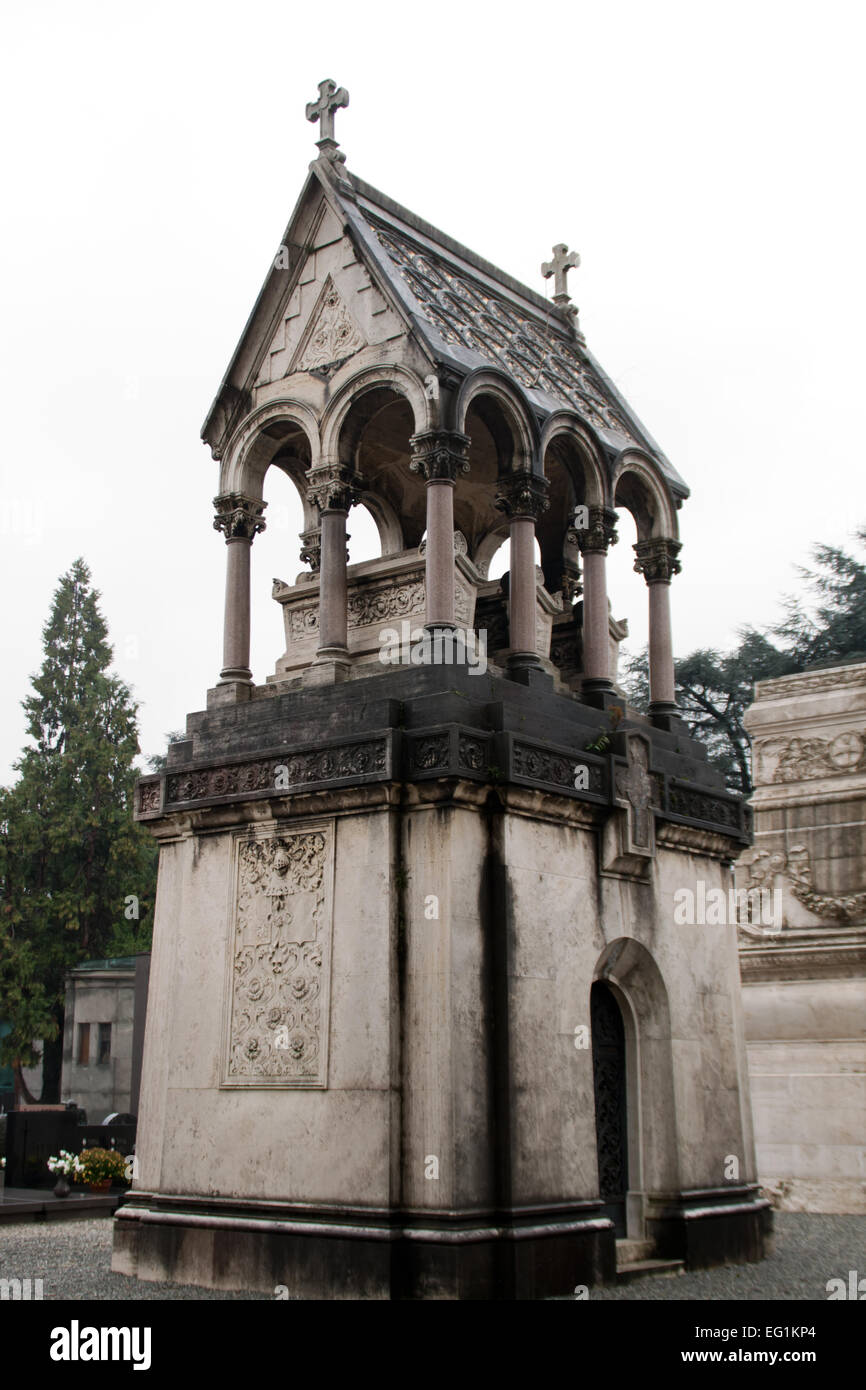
333	487
238	517
657	559
597	532
522	494
439	455
311	547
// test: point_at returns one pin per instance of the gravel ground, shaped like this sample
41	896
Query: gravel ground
73	1260
808	1250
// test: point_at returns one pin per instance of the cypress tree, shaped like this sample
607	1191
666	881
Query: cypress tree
77	876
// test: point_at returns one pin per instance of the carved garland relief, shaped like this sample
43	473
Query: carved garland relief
277	1015
795	865
782	760
379	605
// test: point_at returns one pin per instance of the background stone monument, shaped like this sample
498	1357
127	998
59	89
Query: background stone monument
804	984
420	1022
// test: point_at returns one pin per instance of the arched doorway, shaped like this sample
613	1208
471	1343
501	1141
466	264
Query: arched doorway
611	1117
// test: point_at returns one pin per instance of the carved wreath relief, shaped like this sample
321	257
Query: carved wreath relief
277	1030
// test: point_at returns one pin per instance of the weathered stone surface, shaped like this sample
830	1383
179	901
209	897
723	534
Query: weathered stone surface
804	979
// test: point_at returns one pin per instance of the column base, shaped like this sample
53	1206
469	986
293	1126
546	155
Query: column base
664	714
230	692
525	668
331	666
599	693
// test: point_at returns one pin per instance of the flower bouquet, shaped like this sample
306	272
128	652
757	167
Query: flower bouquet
99	1168
62	1166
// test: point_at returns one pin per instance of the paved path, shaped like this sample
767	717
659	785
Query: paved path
73	1261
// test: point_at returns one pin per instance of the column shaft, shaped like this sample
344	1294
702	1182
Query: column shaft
236	627
239	518
522	495
439	571
333	614
593	536
596	626
661	653
522	588
657	562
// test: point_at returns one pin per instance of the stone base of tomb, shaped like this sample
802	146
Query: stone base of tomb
336	1253
713	1226
372	1065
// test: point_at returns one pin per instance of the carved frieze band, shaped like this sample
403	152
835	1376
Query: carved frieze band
277	1025
657	559
238	517
439	455
522	494
449	750
807	684
378	605
281	773
779	760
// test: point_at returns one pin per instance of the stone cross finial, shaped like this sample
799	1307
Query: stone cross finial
331	98
562	262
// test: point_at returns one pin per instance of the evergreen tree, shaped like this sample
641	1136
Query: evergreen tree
714	689
75	869
836	628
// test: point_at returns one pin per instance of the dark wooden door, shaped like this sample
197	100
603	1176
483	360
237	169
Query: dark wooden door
611	1132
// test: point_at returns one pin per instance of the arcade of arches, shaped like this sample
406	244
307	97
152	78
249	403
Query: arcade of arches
464	491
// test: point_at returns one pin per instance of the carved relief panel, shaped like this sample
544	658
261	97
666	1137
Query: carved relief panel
279	965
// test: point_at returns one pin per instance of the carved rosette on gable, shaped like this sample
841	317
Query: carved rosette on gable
599	532
439	455
657	559
522	494
334	487
238	517
277	1011
331	335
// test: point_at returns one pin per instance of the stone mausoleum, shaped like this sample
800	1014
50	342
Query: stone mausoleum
421	1024
804	982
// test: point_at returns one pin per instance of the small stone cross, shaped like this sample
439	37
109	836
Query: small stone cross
331	98
562	262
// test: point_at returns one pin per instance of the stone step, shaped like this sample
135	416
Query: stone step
628	1251
641	1268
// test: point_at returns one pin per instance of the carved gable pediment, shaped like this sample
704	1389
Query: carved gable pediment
331	334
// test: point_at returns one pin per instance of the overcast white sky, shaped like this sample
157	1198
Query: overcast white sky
706	161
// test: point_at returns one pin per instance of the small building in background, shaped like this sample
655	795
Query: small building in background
102	1035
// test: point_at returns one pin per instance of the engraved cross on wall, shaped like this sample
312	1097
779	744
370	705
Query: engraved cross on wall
331	98
562	263
635	784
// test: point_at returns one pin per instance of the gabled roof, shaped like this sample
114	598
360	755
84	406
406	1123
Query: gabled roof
465	312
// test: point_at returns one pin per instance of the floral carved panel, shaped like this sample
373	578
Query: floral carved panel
277	1011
